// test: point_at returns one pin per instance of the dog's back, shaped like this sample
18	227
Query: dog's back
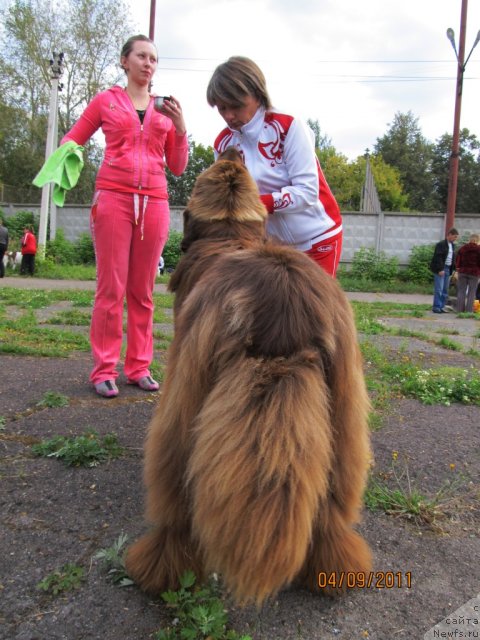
283	424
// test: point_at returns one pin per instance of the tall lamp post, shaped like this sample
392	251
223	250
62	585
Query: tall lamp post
56	70
454	157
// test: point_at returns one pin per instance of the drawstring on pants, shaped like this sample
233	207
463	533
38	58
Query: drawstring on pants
136	208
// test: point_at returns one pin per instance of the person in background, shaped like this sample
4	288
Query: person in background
3	246
467	264
279	151
443	265
130	214
29	250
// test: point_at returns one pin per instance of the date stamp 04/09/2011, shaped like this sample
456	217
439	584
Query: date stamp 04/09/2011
365	579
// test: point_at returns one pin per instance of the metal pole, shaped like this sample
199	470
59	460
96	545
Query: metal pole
151	32
453	172
51	145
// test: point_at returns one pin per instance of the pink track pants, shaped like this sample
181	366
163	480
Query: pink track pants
126	266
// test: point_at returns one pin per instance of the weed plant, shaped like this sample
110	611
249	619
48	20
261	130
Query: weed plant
113	561
405	500
86	450
53	399
68	577
198	613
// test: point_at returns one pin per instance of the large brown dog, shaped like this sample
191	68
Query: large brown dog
257	456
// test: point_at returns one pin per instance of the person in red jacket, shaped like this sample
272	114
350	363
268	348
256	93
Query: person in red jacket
468	268
29	249
130	215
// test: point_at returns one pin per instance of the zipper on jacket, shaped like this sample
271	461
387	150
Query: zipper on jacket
140	154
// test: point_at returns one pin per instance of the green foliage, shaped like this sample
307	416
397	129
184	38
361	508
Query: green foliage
86	450
180	187
405	148
90	33
60	250
17	223
367	264
199	613
395	501
53	399
68	577
171	251
113	561
418	268
84	249
442	386
468	190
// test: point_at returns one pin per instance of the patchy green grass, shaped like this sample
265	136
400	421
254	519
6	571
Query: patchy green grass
71	317
21	332
53	399
86	450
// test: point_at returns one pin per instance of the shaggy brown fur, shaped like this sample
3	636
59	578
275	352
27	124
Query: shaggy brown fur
256	459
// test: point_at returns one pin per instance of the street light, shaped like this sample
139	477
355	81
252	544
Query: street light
462	63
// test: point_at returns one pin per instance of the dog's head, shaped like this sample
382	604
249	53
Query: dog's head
225	203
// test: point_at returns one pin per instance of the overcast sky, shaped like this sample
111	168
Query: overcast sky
350	65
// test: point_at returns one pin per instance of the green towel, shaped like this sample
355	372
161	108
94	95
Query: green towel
63	168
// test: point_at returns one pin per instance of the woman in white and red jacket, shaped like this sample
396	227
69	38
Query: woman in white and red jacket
130	213
278	150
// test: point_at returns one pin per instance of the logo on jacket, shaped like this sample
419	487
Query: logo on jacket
273	136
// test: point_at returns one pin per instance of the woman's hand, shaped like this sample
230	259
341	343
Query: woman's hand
173	110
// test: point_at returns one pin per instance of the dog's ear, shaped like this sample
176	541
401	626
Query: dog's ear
187	239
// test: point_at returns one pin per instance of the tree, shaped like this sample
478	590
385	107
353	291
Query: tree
468	189
90	34
405	148
346	178
180	187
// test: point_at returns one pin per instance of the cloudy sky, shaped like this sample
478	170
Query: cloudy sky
350	65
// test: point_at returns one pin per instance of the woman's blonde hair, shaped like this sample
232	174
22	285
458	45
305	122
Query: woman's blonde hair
475	237
234	80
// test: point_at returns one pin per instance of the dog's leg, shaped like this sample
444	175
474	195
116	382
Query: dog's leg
336	548
158	559
338	556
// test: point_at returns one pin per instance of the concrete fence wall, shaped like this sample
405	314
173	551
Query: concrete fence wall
393	233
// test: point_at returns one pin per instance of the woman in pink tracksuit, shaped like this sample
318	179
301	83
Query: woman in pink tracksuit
130	213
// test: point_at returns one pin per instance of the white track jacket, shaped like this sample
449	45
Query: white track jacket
278	150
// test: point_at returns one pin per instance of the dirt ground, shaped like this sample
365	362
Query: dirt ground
52	515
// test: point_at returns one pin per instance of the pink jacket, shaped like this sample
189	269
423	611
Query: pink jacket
135	154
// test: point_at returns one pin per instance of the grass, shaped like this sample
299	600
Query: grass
53	399
404	500
87	450
21	333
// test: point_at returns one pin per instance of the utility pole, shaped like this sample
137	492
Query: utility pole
454	156
56	70
151	32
